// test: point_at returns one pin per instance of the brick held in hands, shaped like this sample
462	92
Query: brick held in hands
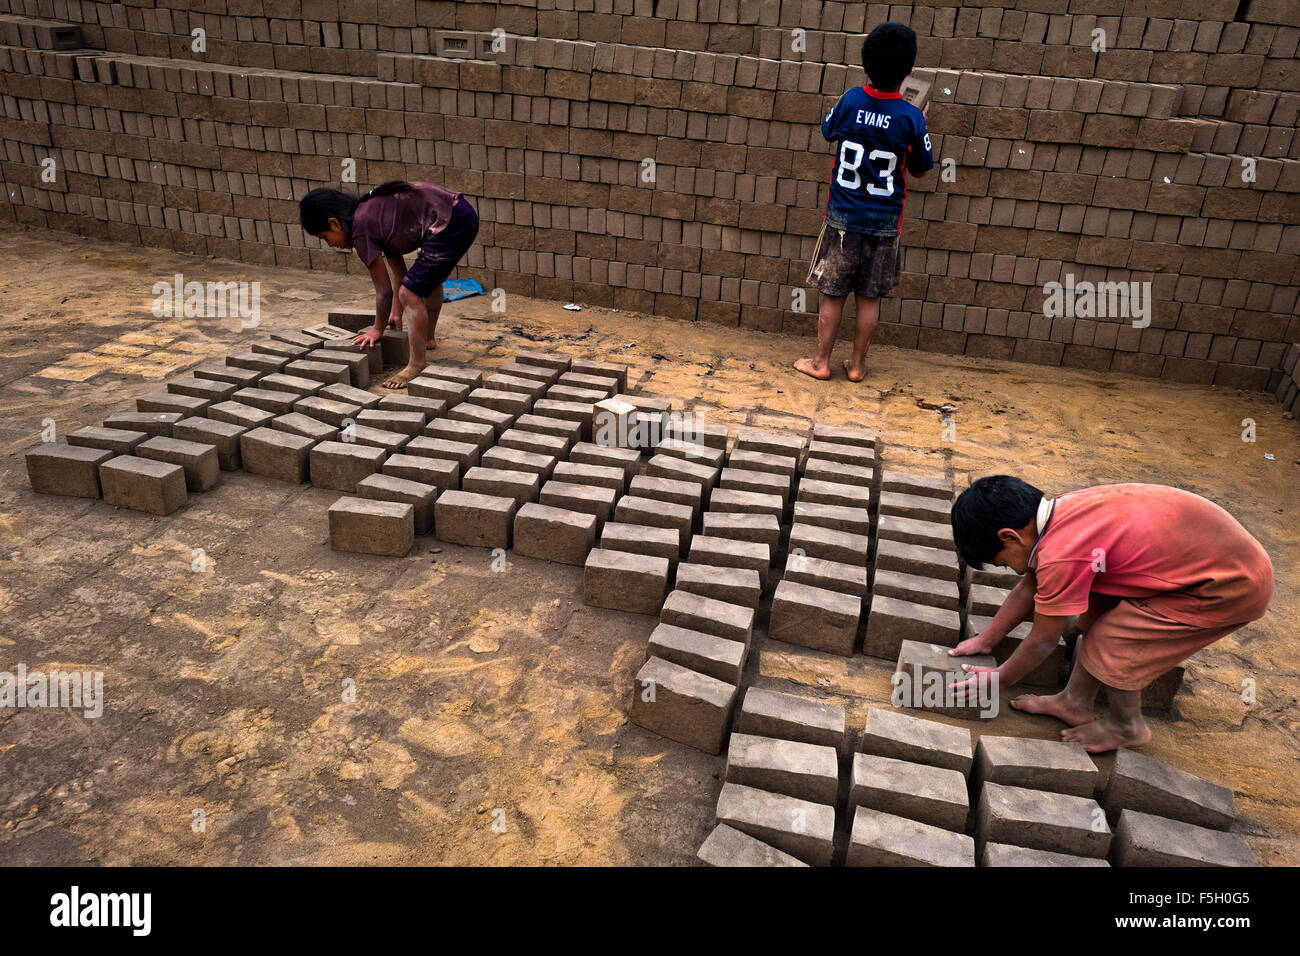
730	500
480	414
551	360
327	373
828	543
932	795
603	370
698	613
117	440
741	586
239	377
770	713
1004	854
426	386
277	403
484	521
589	499
290	384
918	507
430	408
844	435
908	483
625	582
835	576
557	427
379	487
886	839
554	446
203	388
835	517
1041	820
888	733
924	674
1143	839
223	436
1141	783
587	453
156	487
442	473
929	534
479	434
1038	764
756	528
807	771
703	476
519	486
799	827
339	466
405	423
554	534
327	410
916	559
601	476
709	654
517	460
366	526
198	461
933	592
814	617
682	705
641	539
257	362
832	493
728	847
658	514
71	470
274	454
350	395
296	423
152	424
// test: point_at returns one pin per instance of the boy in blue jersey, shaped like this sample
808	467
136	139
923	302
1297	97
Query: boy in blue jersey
879	137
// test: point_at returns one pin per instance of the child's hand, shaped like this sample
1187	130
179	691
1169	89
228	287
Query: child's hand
971	687
368	338
395	320
979	644
926	108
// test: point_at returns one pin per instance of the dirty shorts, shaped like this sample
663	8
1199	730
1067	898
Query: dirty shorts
852	262
442	250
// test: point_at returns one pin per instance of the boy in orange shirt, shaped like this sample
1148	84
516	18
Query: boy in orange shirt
1154	573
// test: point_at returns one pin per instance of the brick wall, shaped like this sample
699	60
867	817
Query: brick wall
1122	165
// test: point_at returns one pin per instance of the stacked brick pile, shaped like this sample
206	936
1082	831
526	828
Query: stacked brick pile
1118	166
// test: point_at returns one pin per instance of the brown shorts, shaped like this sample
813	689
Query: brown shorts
852	262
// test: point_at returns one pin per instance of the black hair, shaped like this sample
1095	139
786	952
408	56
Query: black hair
318	207
986	507
888	54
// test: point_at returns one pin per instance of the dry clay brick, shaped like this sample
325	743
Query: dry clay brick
553	446
534	372
728	847
913	506
931	534
438	388
985	601
202	388
451	373
514	459
886	839
221	435
859	477
1142	839
756	482
924	675
932	795
757	529
807	771
855	455
554	534
257	362
1041	820
929	486
735	501
587	453
707	653
439	472
844	435
1038	764
1045	674
571	432
769	443
829	575
613	370
740	586
888	733
482	521
667	489
914	589
241	377
771	713
550	360
275	454
482	415
799	827
168	402
625	582
698	613
71	470
632	509
350	396
296	423
681	704
853	520
387	488
430	408
641	539
829	544
152	424
117	440
601	476
407	423
692	451
339	466
240	415
372	527
589	499
1004	854
728	553
822	492
327	410
157	487
519	486
891	622
814	617
691	430
703	477
198	461
916	559
1141	783
277	403
327	373
462	453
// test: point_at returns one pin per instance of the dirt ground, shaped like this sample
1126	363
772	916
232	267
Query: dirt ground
488	697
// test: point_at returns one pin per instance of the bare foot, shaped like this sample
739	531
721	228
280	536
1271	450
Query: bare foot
1060	706
810	367
403	378
856	373
1108	733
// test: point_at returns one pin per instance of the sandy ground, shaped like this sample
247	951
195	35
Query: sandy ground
489	698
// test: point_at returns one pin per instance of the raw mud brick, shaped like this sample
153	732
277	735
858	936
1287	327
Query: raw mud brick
554	446
681	704
554	534
718	657
1003	854
586	453
559	427
277	403
71	470
430	408
653	412
141	484
799	827
844	435
426	386
518	460
679	469
1046	674
916	559
828	543
928	486
327	410
221	435
933	592
197	461
1038	764
601	476
479	414
729	500
730	553
604	387
443	474
814	617
327	373
357	363
395	348
756	482
985	601
728	847
641	539
292	384
759	461
568	393
551	360
353	322
612	370
1141	783
300	339
479	434
508	403
520	487
613	423
579	412
991	575
296	423
240	377
350	395
626	582
1041	820
281	349
918	791
1142	839
820	492
453	373
918	507
694	432
771	713
692	451
760	529
117	440
658	514
387	488
807	771
364	526
202	388
326	332
838	476
377	438
888	733
740	586
929	534
853	520
406	423
698	613
891	622
770	443
886	839
339	466
589	499
924	673
829	575
483	521
274	454
854	455
667	489
535	372
257	362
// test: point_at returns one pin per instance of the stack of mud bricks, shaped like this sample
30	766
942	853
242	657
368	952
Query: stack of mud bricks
1103	140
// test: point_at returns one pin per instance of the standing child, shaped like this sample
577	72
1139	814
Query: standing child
383	225
1154	573
880	138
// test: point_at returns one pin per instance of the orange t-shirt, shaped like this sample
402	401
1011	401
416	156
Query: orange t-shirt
1186	557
